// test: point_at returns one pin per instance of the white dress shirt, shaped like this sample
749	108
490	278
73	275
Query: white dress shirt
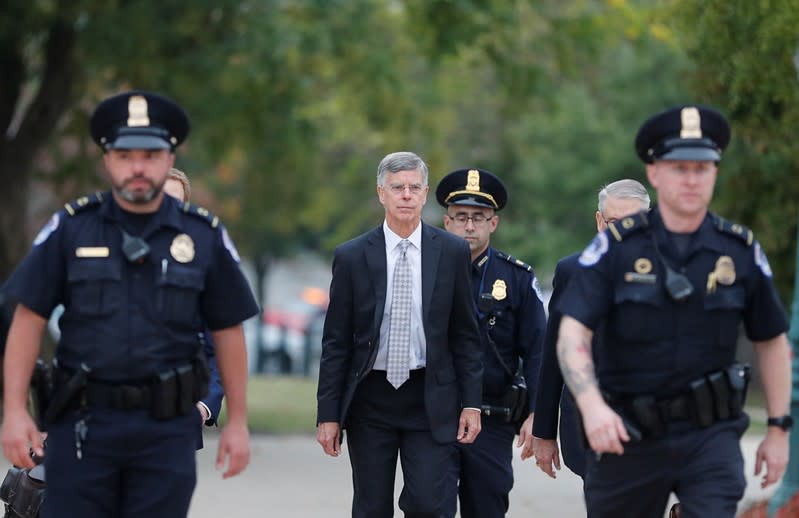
418	348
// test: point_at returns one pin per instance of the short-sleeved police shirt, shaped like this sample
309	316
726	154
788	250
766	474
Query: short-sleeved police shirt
652	343
130	320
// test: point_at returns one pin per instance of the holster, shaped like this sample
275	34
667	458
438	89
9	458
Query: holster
41	389
23	490
67	392
645	412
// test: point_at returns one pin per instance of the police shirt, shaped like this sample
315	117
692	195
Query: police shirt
519	319
652	343
126	320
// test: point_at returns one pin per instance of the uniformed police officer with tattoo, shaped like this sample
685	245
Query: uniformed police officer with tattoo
507	301
662	408
139	275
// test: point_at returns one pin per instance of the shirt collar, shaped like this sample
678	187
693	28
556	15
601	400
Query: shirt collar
392	239
168	213
704	237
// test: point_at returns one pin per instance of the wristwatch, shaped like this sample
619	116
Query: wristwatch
785	422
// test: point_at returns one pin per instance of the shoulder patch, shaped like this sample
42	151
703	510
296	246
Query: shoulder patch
84	202
628	225
595	250
516	262
734	229
762	261
201	212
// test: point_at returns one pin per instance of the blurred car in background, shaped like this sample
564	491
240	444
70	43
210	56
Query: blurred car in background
290	340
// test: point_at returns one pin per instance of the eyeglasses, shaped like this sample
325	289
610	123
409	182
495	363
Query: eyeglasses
608	221
398	189
477	219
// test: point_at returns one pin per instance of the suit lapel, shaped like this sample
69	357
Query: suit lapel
376	260
431	251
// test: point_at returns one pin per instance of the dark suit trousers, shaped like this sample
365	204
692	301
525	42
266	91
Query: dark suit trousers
383	422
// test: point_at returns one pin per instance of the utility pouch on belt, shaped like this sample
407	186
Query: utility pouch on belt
646	413
721	394
164	396
186	399
738	378
703	399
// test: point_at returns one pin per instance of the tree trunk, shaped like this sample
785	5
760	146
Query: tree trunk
19	148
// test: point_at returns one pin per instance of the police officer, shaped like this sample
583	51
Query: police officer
507	301
138	274
662	409
614	201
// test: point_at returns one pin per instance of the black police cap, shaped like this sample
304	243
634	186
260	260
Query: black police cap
689	132
139	120
476	187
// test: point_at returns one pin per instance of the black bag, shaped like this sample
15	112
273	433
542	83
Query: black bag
515	398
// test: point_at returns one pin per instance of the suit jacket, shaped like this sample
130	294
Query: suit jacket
213	400
551	389
453	374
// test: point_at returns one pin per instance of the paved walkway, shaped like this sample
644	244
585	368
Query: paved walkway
290	476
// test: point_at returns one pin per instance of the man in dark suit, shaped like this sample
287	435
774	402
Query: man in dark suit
616	200
400	365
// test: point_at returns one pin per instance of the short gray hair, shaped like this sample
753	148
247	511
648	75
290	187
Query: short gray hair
401	161
623	189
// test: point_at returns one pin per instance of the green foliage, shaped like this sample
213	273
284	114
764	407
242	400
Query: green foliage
745	64
294	103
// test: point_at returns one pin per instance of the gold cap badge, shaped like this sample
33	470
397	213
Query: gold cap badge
691	123
182	248
473	180
499	290
137	111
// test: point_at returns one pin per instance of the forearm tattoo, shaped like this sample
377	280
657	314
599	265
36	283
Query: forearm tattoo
576	364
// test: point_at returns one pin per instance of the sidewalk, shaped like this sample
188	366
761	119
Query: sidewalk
290	476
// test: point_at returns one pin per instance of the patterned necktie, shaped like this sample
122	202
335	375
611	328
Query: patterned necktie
399	330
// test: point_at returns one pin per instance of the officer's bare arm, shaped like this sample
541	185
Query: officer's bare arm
22	349
574	356
774	361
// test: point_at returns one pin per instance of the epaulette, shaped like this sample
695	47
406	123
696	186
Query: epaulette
628	225
83	202
200	212
512	260
739	231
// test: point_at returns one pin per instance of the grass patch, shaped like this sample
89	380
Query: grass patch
280	405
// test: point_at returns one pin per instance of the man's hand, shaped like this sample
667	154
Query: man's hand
525	440
329	436
604	428
547	457
773	451
19	435
468	425
234	447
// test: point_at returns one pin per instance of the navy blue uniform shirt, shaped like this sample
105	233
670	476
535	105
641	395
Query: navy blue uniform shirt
129	321
520	322
653	344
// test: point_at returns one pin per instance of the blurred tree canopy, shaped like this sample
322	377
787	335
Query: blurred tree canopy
293	104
